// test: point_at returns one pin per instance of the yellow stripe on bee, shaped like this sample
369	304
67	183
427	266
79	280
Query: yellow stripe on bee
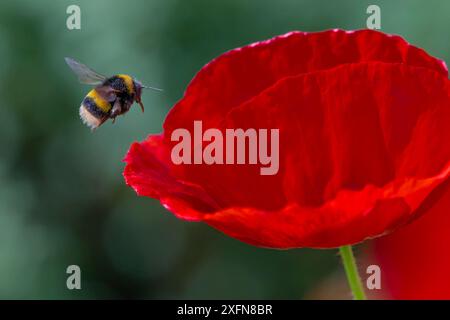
128	82
99	101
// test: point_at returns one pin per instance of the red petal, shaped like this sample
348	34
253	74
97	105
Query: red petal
345	144
414	260
148	172
240	74
361	145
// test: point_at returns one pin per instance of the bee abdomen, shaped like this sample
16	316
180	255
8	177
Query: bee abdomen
94	109
89	119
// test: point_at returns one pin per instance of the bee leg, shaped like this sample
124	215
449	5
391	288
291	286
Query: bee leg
142	106
116	110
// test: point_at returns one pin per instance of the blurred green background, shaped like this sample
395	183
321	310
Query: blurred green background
63	200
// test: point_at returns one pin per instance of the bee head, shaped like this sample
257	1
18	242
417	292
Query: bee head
138	87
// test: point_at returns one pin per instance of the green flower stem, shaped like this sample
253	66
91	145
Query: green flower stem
352	272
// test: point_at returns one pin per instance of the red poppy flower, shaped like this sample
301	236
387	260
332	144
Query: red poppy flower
363	121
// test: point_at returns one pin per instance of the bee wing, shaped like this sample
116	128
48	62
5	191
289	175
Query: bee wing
85	74
107	92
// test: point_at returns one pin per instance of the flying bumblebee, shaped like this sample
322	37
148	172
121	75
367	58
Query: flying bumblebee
111	97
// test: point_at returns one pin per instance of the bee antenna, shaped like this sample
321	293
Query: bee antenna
153	88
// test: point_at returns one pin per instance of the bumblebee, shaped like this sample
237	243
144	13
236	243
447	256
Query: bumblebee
111	97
